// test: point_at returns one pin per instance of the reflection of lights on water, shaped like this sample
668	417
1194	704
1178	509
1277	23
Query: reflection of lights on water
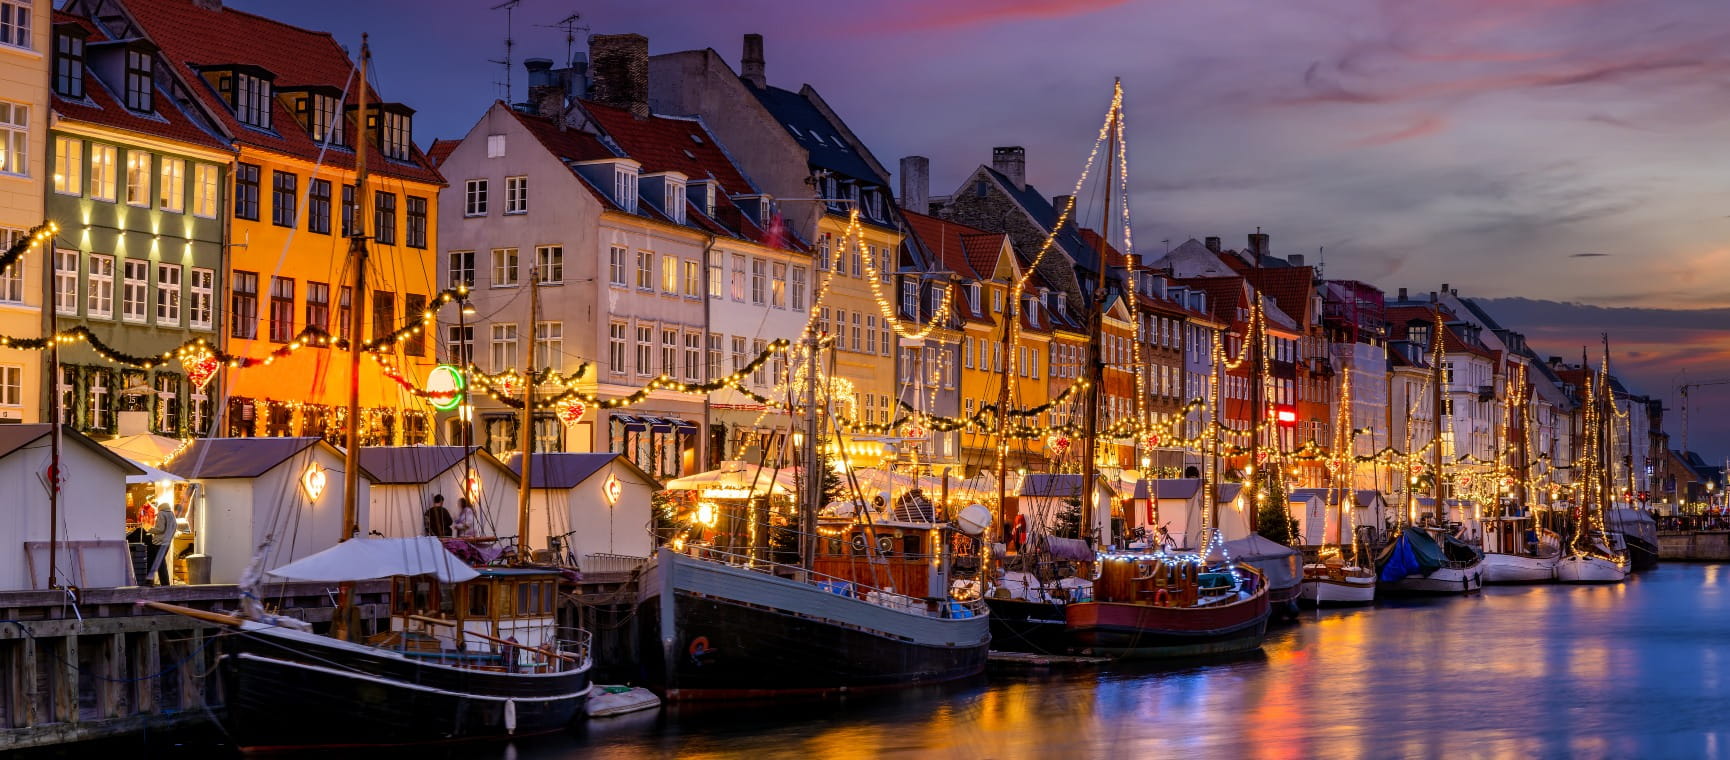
1711	576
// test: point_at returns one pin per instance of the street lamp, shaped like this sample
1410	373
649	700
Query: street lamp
465	413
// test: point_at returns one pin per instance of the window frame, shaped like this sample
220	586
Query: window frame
246	189
142	285
169	293
517	195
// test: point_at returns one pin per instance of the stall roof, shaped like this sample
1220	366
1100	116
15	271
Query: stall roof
1170	488
413	465
555	470
15	437
210	458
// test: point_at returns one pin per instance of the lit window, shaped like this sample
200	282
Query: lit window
172	193
137	178
504	267
68	165
516	195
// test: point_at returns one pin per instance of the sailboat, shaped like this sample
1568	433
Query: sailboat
1428	559
1592	556
468	653
1516	548
1338	579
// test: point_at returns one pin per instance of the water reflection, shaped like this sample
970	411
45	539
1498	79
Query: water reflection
1634	671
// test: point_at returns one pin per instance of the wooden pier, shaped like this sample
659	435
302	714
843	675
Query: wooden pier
1032	660
102	666
1694	545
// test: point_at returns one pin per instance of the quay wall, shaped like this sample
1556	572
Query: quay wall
1694	545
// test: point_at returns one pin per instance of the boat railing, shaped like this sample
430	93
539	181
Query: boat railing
574	643
602	562
949	607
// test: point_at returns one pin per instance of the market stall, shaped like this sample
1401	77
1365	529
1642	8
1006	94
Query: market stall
90	546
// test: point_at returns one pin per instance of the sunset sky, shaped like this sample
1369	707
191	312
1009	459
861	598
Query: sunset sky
1559	151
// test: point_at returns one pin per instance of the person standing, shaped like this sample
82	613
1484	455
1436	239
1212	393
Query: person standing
437	519
467	524
162	532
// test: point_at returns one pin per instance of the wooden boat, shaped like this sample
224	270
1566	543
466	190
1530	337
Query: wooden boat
1337	584
1591	567
1164	606
1508	559
469	654
1429	561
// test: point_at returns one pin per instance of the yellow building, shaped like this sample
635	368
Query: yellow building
857	290
24	56
289	103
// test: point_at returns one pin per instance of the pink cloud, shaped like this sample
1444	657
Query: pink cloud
1428	125
952	14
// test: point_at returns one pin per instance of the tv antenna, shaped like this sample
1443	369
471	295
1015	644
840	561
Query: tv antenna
510	7
571	24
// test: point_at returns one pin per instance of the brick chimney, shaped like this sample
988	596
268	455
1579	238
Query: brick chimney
1296	259
1011	162
621	72
1061	202
1402	294
1212	243
751	63
916	184
546	97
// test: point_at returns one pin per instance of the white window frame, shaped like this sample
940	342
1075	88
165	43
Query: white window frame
517	194
201	298
171	195
645	271
778	284
68	165
135	291
168	294
12	277
693	278
16	19
616	264
549	344
99	295
140	165
502	349
618	348
103	161
66	281
801	278
12	385
505	270
14	138
206	190
459	268
550	264
495	146
669	274
475	198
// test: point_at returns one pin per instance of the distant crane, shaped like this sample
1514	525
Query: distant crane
1682	392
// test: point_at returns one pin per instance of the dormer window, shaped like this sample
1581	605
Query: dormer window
1062	302
69	62
247	90
625	188
140	83
702	193
392	126
973	297
873	204
674	200
321	114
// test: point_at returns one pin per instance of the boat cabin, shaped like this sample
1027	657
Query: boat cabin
1169	580
504	619
889	557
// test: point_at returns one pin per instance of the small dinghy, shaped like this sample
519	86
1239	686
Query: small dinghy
607	701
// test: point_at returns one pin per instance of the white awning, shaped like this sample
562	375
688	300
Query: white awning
363	559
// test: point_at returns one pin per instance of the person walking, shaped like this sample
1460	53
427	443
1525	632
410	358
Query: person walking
437	519
162	532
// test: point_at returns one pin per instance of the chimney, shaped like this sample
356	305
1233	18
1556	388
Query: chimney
1060	202
1212	243
751	63
1432	296
915	183
1011	162
1402	294
545	98
1258	245
621	72
1444	287
1296	259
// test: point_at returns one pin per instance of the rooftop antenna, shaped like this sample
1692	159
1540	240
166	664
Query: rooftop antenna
510	6
1321	260
571	24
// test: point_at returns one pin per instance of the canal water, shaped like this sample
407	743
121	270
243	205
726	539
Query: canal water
1640	670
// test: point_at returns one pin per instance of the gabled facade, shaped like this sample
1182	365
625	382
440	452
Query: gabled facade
139	183
24	103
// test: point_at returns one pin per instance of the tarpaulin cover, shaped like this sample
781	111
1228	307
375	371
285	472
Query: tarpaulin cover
1282	564
1067	548
363	559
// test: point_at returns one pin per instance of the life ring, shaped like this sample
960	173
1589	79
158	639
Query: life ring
1161	597
699	647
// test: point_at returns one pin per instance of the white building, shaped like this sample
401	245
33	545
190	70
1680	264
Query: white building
91	542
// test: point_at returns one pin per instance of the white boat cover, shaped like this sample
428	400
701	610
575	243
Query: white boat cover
363	559
1280	563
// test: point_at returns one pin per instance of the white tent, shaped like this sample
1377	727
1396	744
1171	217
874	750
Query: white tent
364	559
147	449
740	478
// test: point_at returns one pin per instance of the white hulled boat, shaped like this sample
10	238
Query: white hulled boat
1510	558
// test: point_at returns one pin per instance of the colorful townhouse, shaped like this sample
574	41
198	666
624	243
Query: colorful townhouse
138	182
24	103
288	104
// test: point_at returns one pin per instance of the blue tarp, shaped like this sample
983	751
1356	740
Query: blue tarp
1399	561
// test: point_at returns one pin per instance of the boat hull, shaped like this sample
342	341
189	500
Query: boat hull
1141	631
1347	591
1440	582
712	631
1018	625
296	692
1516	568
1642	554
1587	569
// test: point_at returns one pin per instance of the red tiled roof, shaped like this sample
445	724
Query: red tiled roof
948	241
192	37
441	150
663	144
1291	288
1225	295
100	107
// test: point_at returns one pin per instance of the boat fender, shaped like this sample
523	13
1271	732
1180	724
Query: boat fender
510	716
1162	598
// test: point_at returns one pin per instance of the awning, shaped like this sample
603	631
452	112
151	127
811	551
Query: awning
630	423
363	559
659	425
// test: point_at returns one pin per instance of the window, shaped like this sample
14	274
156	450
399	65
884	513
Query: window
394	128
98	405
14	137
670	352
323	118
65	281
281	309
693	279
245	191
168	294
460	269
883	269
283	187
673	200
137	178
670	275
856	344
318	206
504	267
102	162
204	192
883	344
870	333
244	305
715	267
910	298
12	277
384	218
549	344
778	286
517	195
967	352
15	23
172	191
799	285
201	303
68	165
738	277
625	189
69	65
824	255
134	290
350	211
383	314
414	311
616	266
460	349
759	282
318	305
645	350
712	355
858	266
415	235
740	358
250	97
11	385
504	347
693	357
475	198
758	346
996	301
616	350
645	270
139	86
550	259
495	146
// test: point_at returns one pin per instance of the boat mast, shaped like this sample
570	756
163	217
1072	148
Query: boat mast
1215	437
813	497
357	307
1258	379
526	425
54	478
1436	377
1096	324
1003	417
